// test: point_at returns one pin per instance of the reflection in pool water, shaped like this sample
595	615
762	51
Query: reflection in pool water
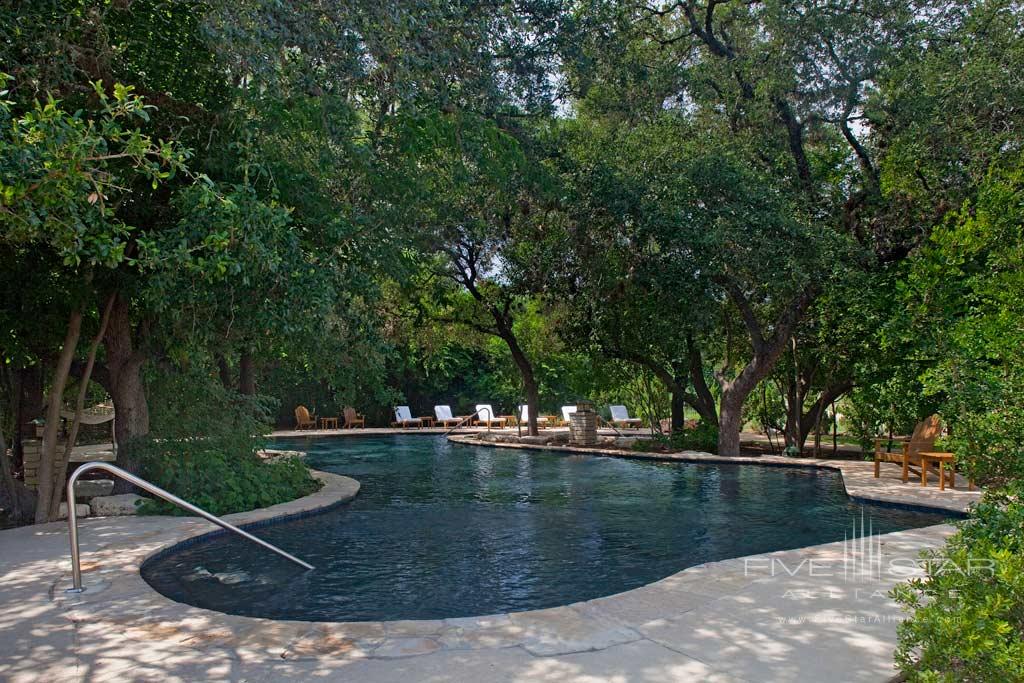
441	530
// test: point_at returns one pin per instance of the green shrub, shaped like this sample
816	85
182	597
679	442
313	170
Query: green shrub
989	440
219	480
703	437
968	613
202	447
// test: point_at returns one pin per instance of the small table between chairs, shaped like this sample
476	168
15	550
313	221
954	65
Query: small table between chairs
328	423
941	460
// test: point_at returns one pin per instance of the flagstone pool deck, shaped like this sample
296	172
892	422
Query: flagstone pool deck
794	615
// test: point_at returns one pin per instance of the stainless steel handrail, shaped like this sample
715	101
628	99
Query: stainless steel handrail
466	419
76	565
610	425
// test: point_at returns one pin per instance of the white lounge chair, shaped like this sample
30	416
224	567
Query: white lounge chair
486	416
621	418
445	418
404	418
524	417
567	412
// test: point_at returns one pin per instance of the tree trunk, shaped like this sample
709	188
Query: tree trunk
730	419
60	475
246	375
15	497
124	365
704	402
678	411
532	404
793	431
766	354
224	371
798	428
734	395
675	384
49	449
529	382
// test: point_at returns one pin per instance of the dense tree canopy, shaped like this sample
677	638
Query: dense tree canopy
333	203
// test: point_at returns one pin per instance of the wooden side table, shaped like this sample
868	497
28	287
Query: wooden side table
427	420
941	459
328	423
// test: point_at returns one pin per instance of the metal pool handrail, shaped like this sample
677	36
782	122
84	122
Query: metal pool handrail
609	425
490	418
76	565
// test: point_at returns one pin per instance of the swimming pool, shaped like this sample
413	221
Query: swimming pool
441	530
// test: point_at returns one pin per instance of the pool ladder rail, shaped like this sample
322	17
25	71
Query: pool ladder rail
76	565
490	418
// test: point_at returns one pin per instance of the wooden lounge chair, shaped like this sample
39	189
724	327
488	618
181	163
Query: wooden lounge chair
353	419
303	420
486	416
908	455
567	412
524	417
404	418
621	418
445	418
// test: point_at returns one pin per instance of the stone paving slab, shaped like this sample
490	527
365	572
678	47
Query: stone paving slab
743	619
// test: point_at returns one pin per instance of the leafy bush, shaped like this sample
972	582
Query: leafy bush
218	480
989	444
703	437
202	447
968	621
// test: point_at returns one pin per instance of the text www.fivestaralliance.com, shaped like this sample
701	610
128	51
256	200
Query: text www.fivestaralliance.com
848	619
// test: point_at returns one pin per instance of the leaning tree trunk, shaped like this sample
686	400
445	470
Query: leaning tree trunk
124	366
60	475
529	383
703	401
49	449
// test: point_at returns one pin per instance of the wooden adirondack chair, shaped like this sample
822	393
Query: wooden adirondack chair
353	419
303	420
923	439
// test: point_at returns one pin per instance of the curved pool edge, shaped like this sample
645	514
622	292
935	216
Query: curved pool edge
336	490
857	476
702	594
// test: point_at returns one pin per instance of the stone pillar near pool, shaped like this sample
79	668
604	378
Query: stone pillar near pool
583	424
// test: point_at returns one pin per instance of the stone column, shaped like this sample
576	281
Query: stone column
583	424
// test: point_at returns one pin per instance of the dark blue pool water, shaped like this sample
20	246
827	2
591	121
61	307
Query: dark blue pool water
443	531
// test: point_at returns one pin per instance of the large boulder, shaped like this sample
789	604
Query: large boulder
87	489
274	455
111	506
81	510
